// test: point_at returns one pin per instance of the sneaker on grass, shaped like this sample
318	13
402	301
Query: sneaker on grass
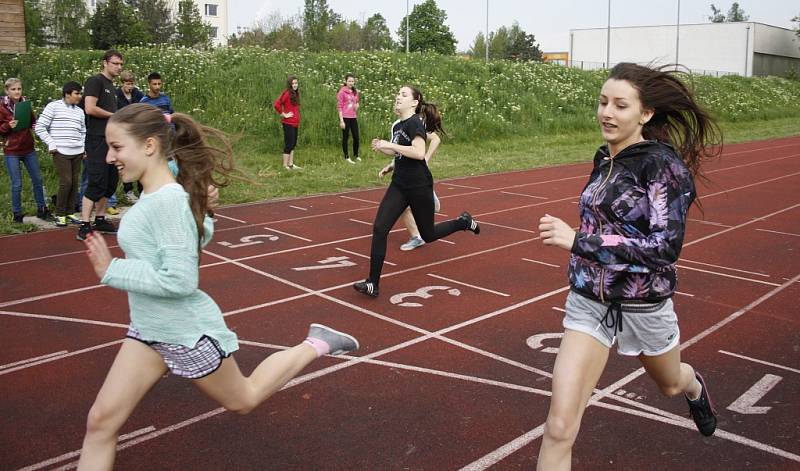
412	244
339	342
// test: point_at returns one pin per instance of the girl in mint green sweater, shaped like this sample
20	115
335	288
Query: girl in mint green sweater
174	326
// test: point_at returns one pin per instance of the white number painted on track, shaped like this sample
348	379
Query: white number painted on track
536	342
745	404
330	262
249	240
423	293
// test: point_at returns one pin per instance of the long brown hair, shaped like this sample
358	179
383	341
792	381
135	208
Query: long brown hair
294	95
428	111
200	163
678	119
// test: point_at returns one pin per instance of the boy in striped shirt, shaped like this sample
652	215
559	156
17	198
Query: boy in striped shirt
62	126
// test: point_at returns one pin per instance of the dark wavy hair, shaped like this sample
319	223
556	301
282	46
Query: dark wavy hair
294	95
677	117
428	111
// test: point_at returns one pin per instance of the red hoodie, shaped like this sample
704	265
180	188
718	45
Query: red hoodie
284	105
18	143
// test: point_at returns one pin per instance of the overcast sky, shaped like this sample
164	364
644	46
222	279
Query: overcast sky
548	20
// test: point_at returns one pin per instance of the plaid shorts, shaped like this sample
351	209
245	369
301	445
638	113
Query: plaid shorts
193	363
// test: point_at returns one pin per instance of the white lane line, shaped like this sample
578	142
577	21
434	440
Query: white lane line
607	392
469	285
779	232
460	186
484	223
298	207
62	318
768	283
359	199
541	263
728	154
710	223
755	360
684	294
29	360
559	309
288	235
523	194
724	268
49	295
363	256
446	241
752	221
60	357
220	215
751	185
361	222
45	257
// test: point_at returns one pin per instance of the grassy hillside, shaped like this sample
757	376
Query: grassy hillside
499	116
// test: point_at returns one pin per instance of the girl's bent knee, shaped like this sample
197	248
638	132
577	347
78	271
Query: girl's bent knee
670	390
560	430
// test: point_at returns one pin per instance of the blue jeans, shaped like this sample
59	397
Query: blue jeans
84	184
31	162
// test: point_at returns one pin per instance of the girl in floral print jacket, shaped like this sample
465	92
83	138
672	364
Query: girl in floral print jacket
622	259
633	216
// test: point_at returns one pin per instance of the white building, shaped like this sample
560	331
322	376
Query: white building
743	48
213	12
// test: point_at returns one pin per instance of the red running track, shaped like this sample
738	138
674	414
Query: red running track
457	380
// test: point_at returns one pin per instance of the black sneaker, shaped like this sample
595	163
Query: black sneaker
101	225
702	410
84	231
367	287
18	217
44	214
472	225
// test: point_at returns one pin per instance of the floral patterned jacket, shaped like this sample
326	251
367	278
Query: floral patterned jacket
633	218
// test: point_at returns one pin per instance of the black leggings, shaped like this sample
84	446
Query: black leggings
350	126
289	138
394	202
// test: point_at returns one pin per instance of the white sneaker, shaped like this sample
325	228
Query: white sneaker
358	159
412	244
131	197
295	167
349	161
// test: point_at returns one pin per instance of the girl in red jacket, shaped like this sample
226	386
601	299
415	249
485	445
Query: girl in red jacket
288	106
18	148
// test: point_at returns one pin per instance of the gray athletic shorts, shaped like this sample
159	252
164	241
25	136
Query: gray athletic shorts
647	328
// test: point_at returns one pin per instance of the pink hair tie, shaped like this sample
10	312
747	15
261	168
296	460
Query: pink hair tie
168	117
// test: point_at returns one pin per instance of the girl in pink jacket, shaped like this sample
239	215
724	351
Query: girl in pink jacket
347	103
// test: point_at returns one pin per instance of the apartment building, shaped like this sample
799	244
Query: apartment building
213	12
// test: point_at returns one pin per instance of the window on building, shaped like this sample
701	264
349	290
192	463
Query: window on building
214	31
211	9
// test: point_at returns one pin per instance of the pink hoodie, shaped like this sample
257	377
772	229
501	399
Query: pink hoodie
347	102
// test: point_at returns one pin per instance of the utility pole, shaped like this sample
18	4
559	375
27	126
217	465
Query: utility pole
608	38
678	35
407	48
486	42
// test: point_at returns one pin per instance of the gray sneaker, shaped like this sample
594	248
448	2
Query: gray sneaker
337	341
412	244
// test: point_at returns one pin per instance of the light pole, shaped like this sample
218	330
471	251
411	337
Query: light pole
487	32
407	48
608	38
678	35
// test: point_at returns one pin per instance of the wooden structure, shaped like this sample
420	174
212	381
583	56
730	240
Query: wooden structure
12	26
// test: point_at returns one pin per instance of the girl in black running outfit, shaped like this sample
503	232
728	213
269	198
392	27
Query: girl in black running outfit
412	183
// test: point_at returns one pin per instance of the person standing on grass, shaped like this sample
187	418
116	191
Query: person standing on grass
128	94
412	183
154	96
100	102
18	149
62	126
174	326
347	103
288	106
622	265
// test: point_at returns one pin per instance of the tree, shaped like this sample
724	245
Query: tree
115	24
346	36
796	19
64	23
521	45
318	20
478	48
157	19
427	30
499	43
273	32
190	31
736	14
376	35
716	15
33	24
